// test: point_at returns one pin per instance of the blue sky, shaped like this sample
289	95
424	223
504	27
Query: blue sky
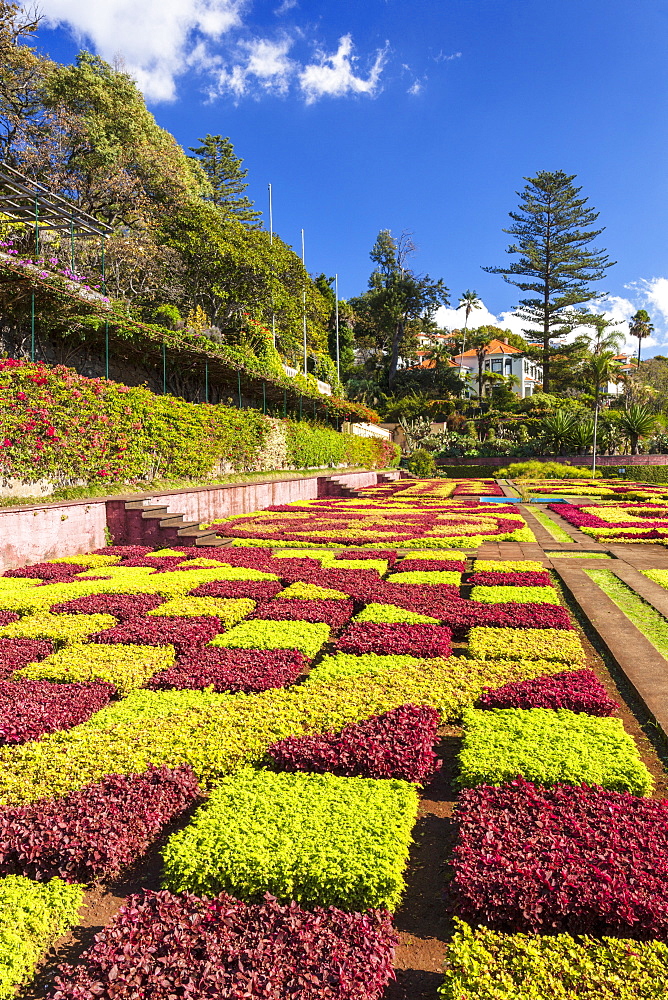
421	116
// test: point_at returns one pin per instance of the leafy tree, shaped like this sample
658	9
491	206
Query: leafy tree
602	368
399	302
346	325
640	326
21	76
226	176
553	230
637	422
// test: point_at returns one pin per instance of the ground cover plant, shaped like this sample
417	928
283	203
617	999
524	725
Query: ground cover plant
417	640
647	619
95	832
125	666
29	709
161	944
305	636
576	690
581	860
526	643
264	832
489	965
232	670
334	613
516	594
624	521
32	917
398	744
547	746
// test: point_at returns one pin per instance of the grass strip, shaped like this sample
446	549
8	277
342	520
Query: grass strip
647	619
553	529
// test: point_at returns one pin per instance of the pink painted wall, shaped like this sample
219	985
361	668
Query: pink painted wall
33	534
207	504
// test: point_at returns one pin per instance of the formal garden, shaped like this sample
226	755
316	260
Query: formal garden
364	747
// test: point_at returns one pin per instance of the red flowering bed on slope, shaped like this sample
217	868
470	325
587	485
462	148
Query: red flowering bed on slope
164	946
232	670
46	571
428	565
29	709
575	859
397	744
97	831
412	640
334	613
577	690
17	653
182	633
121	606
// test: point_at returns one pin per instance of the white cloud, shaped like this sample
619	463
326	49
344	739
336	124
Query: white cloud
334	75
453	319
158	39
443	57
415	88
262	64
284	7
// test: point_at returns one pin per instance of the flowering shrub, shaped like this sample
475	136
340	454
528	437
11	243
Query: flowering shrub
576	690
388	614
308	637
232	670
582	860
549	746
397	744
249	838
120	606
487	964
334	613
525	644
28	709
63	629
525	579
98	831
255	591
514	595
159	945
32	918
126	667
181	633
415	640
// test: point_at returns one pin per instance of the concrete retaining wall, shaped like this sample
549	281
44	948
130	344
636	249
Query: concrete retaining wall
33	534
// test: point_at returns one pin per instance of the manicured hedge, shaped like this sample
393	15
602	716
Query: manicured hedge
126	667
159	945
232	670
311	592
431	565
515	595
263	832
228	610
32	917
415	640
398	744
526	643
183	634
508	566
308	637
423	577
120	606
28	709
487	965
547	747
334	613
581	860
95	832
17	653
256	591
63	629
576	690
491	579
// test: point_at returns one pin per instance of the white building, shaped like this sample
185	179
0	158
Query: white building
502	358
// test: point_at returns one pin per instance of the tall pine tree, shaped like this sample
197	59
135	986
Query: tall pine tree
227	177
553	229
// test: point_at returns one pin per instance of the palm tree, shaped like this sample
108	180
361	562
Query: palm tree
603	368
640	326
638	421
468	301
606	338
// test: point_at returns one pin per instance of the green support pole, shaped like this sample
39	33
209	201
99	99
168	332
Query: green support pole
285	403
164	370
206	381
264	397
239	387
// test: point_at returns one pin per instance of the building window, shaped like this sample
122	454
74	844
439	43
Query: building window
497	366
509	364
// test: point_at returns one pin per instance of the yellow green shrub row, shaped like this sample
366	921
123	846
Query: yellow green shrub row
127	667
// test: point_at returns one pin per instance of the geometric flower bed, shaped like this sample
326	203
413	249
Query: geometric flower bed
125	666
547	747
576	690
28	709
398	744
32	917
163	945
525	644
487	964
262	832
232	670
581	860
623	522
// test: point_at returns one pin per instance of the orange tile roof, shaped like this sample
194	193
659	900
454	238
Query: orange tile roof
494	347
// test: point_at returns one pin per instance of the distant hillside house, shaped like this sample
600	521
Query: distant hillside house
504	359
626	366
